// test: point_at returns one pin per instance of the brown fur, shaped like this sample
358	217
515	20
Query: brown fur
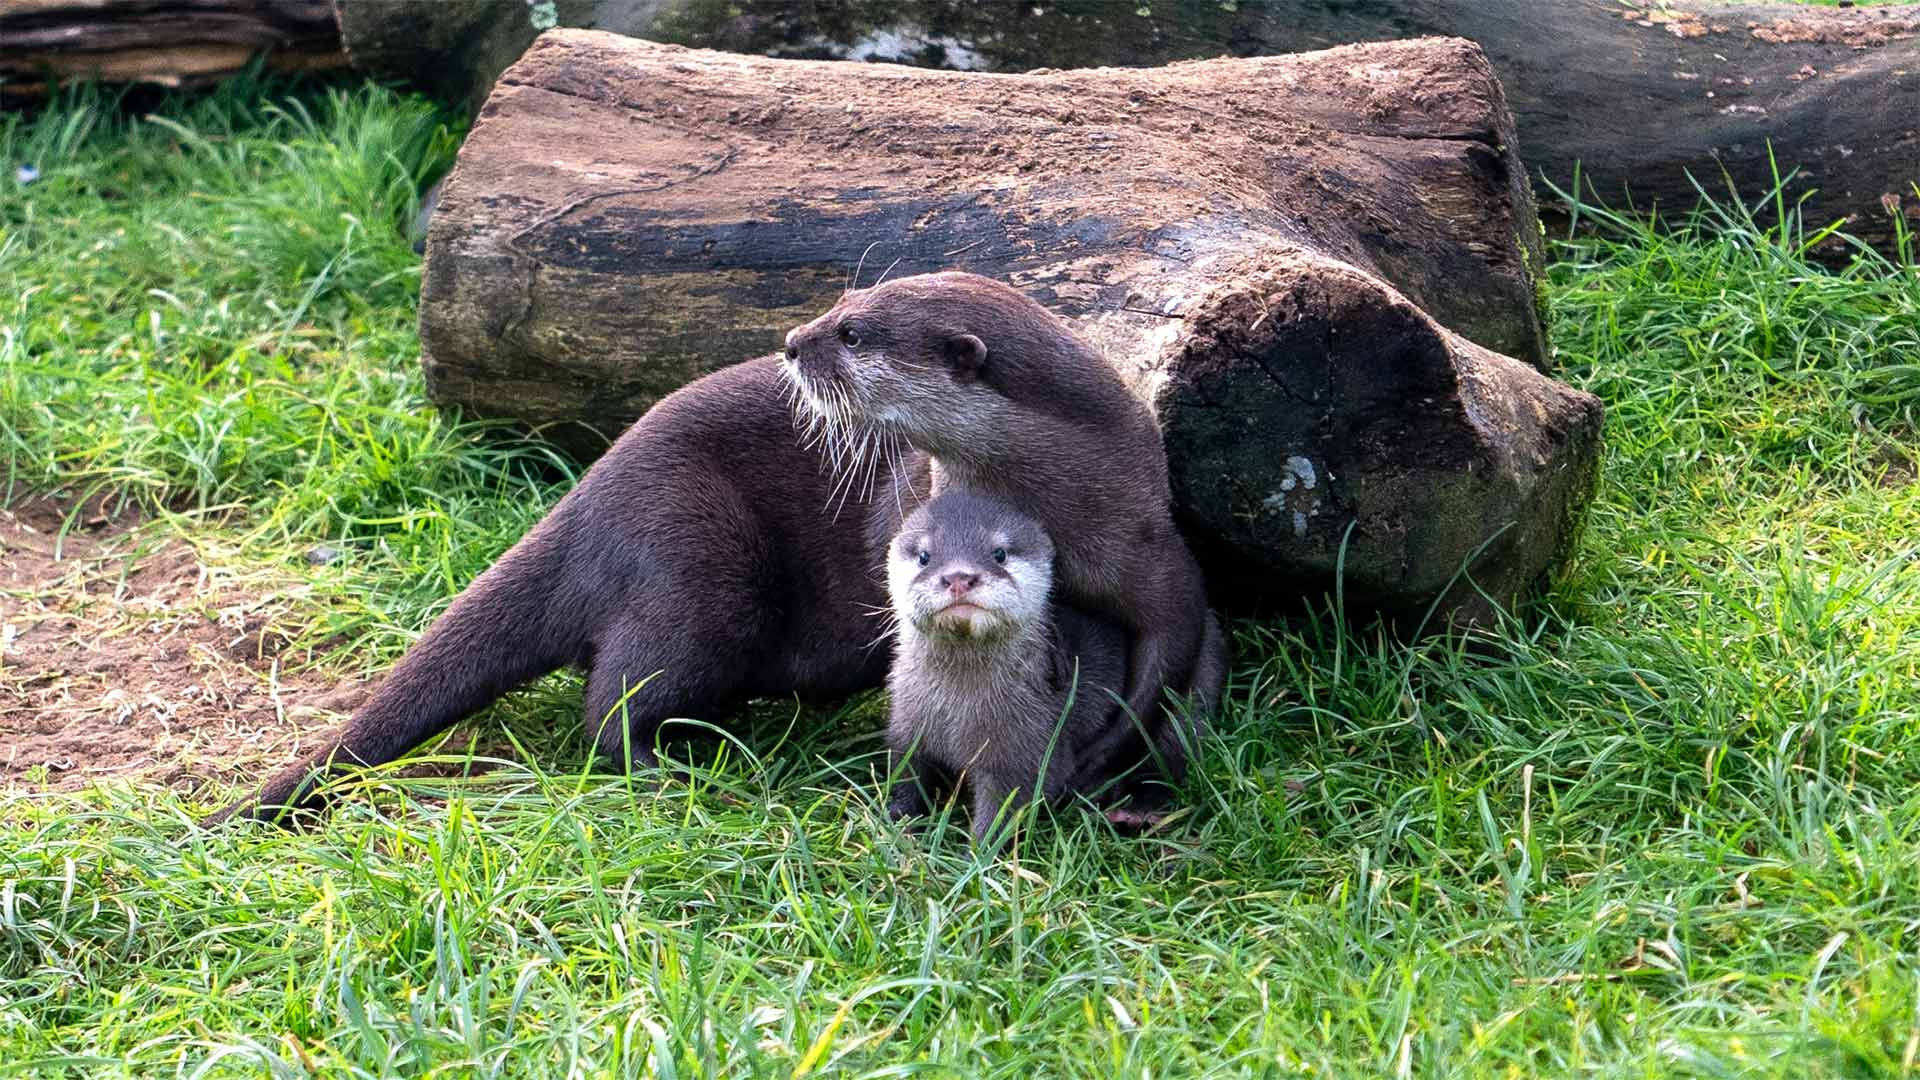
1009	403
709	557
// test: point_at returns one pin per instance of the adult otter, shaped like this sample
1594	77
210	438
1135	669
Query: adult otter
709	557
991	680
1008	402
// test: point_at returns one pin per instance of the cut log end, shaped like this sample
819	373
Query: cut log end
1320	429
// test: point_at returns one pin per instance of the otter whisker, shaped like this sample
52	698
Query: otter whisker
852	480
837	428
890	626
896	456
856	449
803	419
870	462
836	495
875	455
854	282
810	424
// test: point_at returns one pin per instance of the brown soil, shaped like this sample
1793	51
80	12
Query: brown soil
1896	470
1814	30
122	654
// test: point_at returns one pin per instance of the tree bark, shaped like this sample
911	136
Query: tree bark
1268	250
164	42
1643	99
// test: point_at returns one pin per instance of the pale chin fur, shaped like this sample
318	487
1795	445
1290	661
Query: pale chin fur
836	418
1008	612
813	404
864	422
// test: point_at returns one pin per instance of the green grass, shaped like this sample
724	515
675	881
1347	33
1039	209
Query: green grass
1671	826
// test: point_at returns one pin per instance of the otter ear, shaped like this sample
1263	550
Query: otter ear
965	353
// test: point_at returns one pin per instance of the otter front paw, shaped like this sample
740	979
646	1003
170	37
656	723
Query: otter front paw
1132	820
907	801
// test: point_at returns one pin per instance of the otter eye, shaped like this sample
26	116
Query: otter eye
849	335
1000	555
925	558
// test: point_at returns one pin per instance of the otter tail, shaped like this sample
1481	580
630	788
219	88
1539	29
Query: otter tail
515	623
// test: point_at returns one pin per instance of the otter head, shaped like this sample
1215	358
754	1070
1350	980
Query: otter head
970	570
912	358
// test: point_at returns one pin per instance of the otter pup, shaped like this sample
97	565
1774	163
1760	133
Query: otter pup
708	557
990	679
1008	402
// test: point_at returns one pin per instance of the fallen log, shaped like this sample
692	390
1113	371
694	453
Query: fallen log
161	42
1636	96
1321	272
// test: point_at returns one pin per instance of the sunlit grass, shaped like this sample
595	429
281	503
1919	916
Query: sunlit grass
1665	826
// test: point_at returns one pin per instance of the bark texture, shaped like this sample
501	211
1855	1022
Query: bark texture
1638	96
1319	270
163	42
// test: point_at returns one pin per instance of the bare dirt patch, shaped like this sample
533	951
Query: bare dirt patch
123	655
1895	469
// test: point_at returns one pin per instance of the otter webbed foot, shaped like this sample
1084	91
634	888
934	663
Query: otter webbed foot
907	800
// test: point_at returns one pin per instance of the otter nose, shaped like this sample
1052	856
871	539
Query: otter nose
959	582
793	345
